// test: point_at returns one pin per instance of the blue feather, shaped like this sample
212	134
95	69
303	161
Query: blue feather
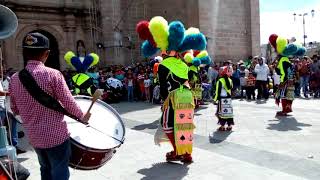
176	35
76	63
206	60
291	49
301	51
86	63
193	41
196	61
147	49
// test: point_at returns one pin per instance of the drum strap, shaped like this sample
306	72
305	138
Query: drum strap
40	95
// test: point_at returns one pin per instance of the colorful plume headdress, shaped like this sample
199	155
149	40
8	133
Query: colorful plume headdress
286	48
81	64
197	58
159	35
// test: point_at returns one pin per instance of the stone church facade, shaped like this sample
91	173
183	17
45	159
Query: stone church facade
107	27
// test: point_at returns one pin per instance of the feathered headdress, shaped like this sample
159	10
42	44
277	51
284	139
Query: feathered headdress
81	64
159	35
286	48
197	58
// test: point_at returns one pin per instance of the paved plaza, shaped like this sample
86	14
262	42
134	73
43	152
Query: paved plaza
260	146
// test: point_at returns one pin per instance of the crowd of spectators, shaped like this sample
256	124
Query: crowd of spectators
253	78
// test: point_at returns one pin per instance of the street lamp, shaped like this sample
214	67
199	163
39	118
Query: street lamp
304	24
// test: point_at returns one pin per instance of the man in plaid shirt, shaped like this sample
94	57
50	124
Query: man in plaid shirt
46	128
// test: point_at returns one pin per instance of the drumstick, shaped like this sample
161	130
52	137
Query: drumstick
95	97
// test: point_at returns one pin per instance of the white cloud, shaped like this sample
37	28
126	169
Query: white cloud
283	24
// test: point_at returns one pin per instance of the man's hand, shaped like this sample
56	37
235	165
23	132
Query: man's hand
86	118
4	93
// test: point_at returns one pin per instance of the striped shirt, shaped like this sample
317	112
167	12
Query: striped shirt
45	128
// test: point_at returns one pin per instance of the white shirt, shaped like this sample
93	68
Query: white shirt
130	82
147	83
262	72
276	79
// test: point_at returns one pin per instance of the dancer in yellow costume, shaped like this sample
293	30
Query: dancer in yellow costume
178	108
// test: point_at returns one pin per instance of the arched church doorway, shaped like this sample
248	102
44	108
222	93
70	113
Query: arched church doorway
53	59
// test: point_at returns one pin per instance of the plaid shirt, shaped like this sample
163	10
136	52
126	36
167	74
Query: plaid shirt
45	128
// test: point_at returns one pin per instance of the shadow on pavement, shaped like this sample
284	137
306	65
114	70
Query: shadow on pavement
164	170
219	136
261	101
125	107
287	124
153	125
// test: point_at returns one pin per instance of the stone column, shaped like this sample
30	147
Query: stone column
255	27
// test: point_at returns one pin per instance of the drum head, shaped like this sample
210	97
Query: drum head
106	129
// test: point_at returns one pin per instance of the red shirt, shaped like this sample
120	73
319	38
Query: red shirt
45	128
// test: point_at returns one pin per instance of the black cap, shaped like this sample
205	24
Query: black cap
35	41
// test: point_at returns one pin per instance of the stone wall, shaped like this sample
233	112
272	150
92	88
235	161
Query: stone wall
228	26
231	26
66	23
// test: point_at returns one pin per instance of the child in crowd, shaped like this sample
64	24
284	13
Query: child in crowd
147	84
251	84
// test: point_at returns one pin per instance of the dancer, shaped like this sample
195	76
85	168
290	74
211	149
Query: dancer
223	98
194	59
285	93
83	83
178	106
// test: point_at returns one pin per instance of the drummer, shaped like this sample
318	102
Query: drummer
46	128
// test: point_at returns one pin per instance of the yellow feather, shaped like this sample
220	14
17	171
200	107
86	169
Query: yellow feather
159	29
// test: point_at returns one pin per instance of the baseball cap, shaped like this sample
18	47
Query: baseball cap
35	41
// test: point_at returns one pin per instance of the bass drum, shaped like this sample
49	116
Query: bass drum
93	145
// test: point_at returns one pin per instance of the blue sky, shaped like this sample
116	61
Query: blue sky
276	16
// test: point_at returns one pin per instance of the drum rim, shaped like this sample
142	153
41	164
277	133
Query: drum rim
112	110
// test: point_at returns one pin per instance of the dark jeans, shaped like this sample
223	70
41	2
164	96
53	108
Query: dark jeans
262	89
54	161
250	92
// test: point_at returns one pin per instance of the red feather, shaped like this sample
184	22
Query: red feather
195	53
273	40
144	32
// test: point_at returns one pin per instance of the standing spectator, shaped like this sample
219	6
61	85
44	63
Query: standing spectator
129	82
315	76
140	79
251	83
304	73
262	71
147	84
296	78
212	76
235	80
244	73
